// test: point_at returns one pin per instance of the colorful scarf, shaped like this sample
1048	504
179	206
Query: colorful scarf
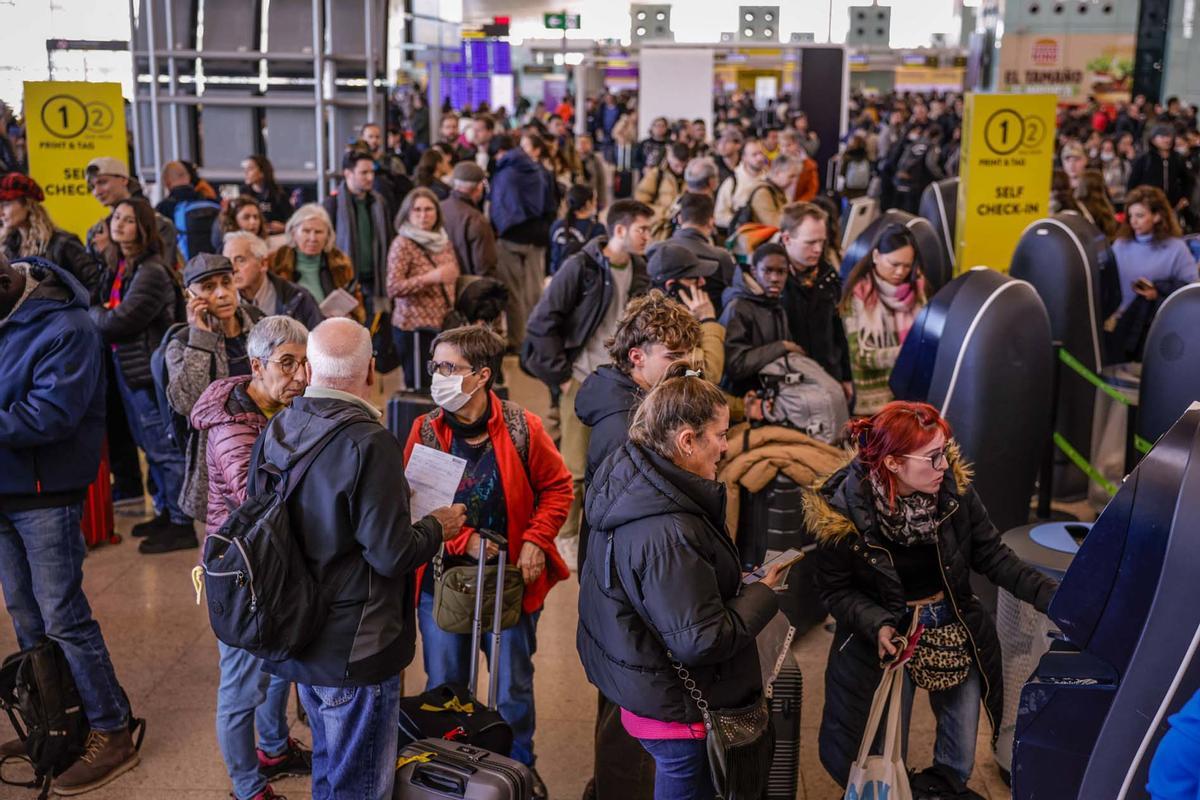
902	303
912	520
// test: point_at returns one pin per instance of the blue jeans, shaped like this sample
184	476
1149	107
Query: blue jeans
249	699
149	431
955	710
41	569
355	736
680	769
448	660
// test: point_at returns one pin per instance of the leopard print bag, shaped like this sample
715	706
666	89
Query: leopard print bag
941	659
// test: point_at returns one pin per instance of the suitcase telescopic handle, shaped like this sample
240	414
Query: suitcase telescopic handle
492	536
431	776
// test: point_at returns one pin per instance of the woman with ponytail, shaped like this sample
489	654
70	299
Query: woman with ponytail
901	530
883	294
577	226
661	591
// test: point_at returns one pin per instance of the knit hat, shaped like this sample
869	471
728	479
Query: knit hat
15	186
1162	129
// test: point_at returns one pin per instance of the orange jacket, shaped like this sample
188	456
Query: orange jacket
808	184
536	501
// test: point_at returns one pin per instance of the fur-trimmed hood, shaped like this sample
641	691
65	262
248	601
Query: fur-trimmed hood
835	507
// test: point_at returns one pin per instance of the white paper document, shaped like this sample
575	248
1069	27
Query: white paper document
339	303
433	477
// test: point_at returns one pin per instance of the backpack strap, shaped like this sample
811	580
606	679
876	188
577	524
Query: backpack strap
287	480
514	420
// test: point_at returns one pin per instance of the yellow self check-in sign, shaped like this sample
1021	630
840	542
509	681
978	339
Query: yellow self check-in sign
1005	168
68	124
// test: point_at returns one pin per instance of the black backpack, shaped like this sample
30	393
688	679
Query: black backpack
38	693
745	214
261	595
177	425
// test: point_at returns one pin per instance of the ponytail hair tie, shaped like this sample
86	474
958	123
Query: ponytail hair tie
693	373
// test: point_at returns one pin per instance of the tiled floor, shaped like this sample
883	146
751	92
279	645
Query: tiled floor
166	657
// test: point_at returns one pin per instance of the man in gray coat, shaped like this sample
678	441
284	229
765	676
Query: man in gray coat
361	228
469	230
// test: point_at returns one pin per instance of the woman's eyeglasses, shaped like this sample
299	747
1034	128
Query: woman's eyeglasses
936	460
446	368
288	365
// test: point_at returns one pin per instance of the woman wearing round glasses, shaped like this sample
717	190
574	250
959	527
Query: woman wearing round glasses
901	530
232	412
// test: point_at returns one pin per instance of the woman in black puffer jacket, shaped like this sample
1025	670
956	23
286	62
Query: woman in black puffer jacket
902	528
663	575
137	304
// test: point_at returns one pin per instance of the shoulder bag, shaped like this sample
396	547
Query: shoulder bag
740	742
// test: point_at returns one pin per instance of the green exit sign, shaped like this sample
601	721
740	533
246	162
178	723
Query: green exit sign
561	21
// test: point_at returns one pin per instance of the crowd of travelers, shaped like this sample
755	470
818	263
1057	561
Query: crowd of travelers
647	284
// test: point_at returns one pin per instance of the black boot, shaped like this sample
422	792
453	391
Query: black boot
172	537
151	527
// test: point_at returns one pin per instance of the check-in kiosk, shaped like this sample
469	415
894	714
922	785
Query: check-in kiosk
939	205
1094	711
1062	257
1170	363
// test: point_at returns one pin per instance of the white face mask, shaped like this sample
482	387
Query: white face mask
1107	156
447	392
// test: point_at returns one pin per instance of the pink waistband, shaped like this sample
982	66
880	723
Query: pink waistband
644	728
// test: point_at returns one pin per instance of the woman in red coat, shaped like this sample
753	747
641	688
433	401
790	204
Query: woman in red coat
515	483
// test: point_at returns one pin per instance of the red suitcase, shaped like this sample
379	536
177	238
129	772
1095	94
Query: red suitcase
97	519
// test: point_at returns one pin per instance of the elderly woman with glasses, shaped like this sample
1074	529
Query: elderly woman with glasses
233	412
901	530
311	259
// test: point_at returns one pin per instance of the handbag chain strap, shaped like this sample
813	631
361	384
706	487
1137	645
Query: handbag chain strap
689	685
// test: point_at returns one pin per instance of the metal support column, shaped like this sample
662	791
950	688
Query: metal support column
319	94
173	76
135	168
156	145
369	35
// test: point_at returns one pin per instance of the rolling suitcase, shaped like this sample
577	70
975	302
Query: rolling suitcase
403	408
97	517
784	698
453	713
431	768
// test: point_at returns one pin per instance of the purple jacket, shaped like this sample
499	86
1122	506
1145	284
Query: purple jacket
233	423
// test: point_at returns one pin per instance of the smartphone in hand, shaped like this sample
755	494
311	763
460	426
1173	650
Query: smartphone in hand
787	558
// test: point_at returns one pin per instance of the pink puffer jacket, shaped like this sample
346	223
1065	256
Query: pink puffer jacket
233	423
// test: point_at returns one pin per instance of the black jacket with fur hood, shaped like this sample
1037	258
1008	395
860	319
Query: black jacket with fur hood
862	590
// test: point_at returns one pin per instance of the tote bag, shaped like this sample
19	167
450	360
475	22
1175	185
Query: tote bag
882	777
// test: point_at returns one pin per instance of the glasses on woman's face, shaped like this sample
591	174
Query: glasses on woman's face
446	368
288	364
936	460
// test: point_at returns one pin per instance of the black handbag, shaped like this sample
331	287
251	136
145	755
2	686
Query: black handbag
740	743
383	345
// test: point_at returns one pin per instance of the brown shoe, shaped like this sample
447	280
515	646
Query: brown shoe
106	756
13	748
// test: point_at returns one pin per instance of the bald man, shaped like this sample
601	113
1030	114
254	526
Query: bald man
195	217
350	510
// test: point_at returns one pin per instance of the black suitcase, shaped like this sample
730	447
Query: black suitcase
403	408
430	768
773	519
785	700
453	713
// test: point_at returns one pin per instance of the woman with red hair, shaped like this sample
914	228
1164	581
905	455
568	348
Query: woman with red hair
901	530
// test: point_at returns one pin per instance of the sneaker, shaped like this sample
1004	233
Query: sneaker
150	526
266	794
539	791
106	755
294	762
173	537
13	748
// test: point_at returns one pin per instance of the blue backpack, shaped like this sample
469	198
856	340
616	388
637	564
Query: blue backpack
194	220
